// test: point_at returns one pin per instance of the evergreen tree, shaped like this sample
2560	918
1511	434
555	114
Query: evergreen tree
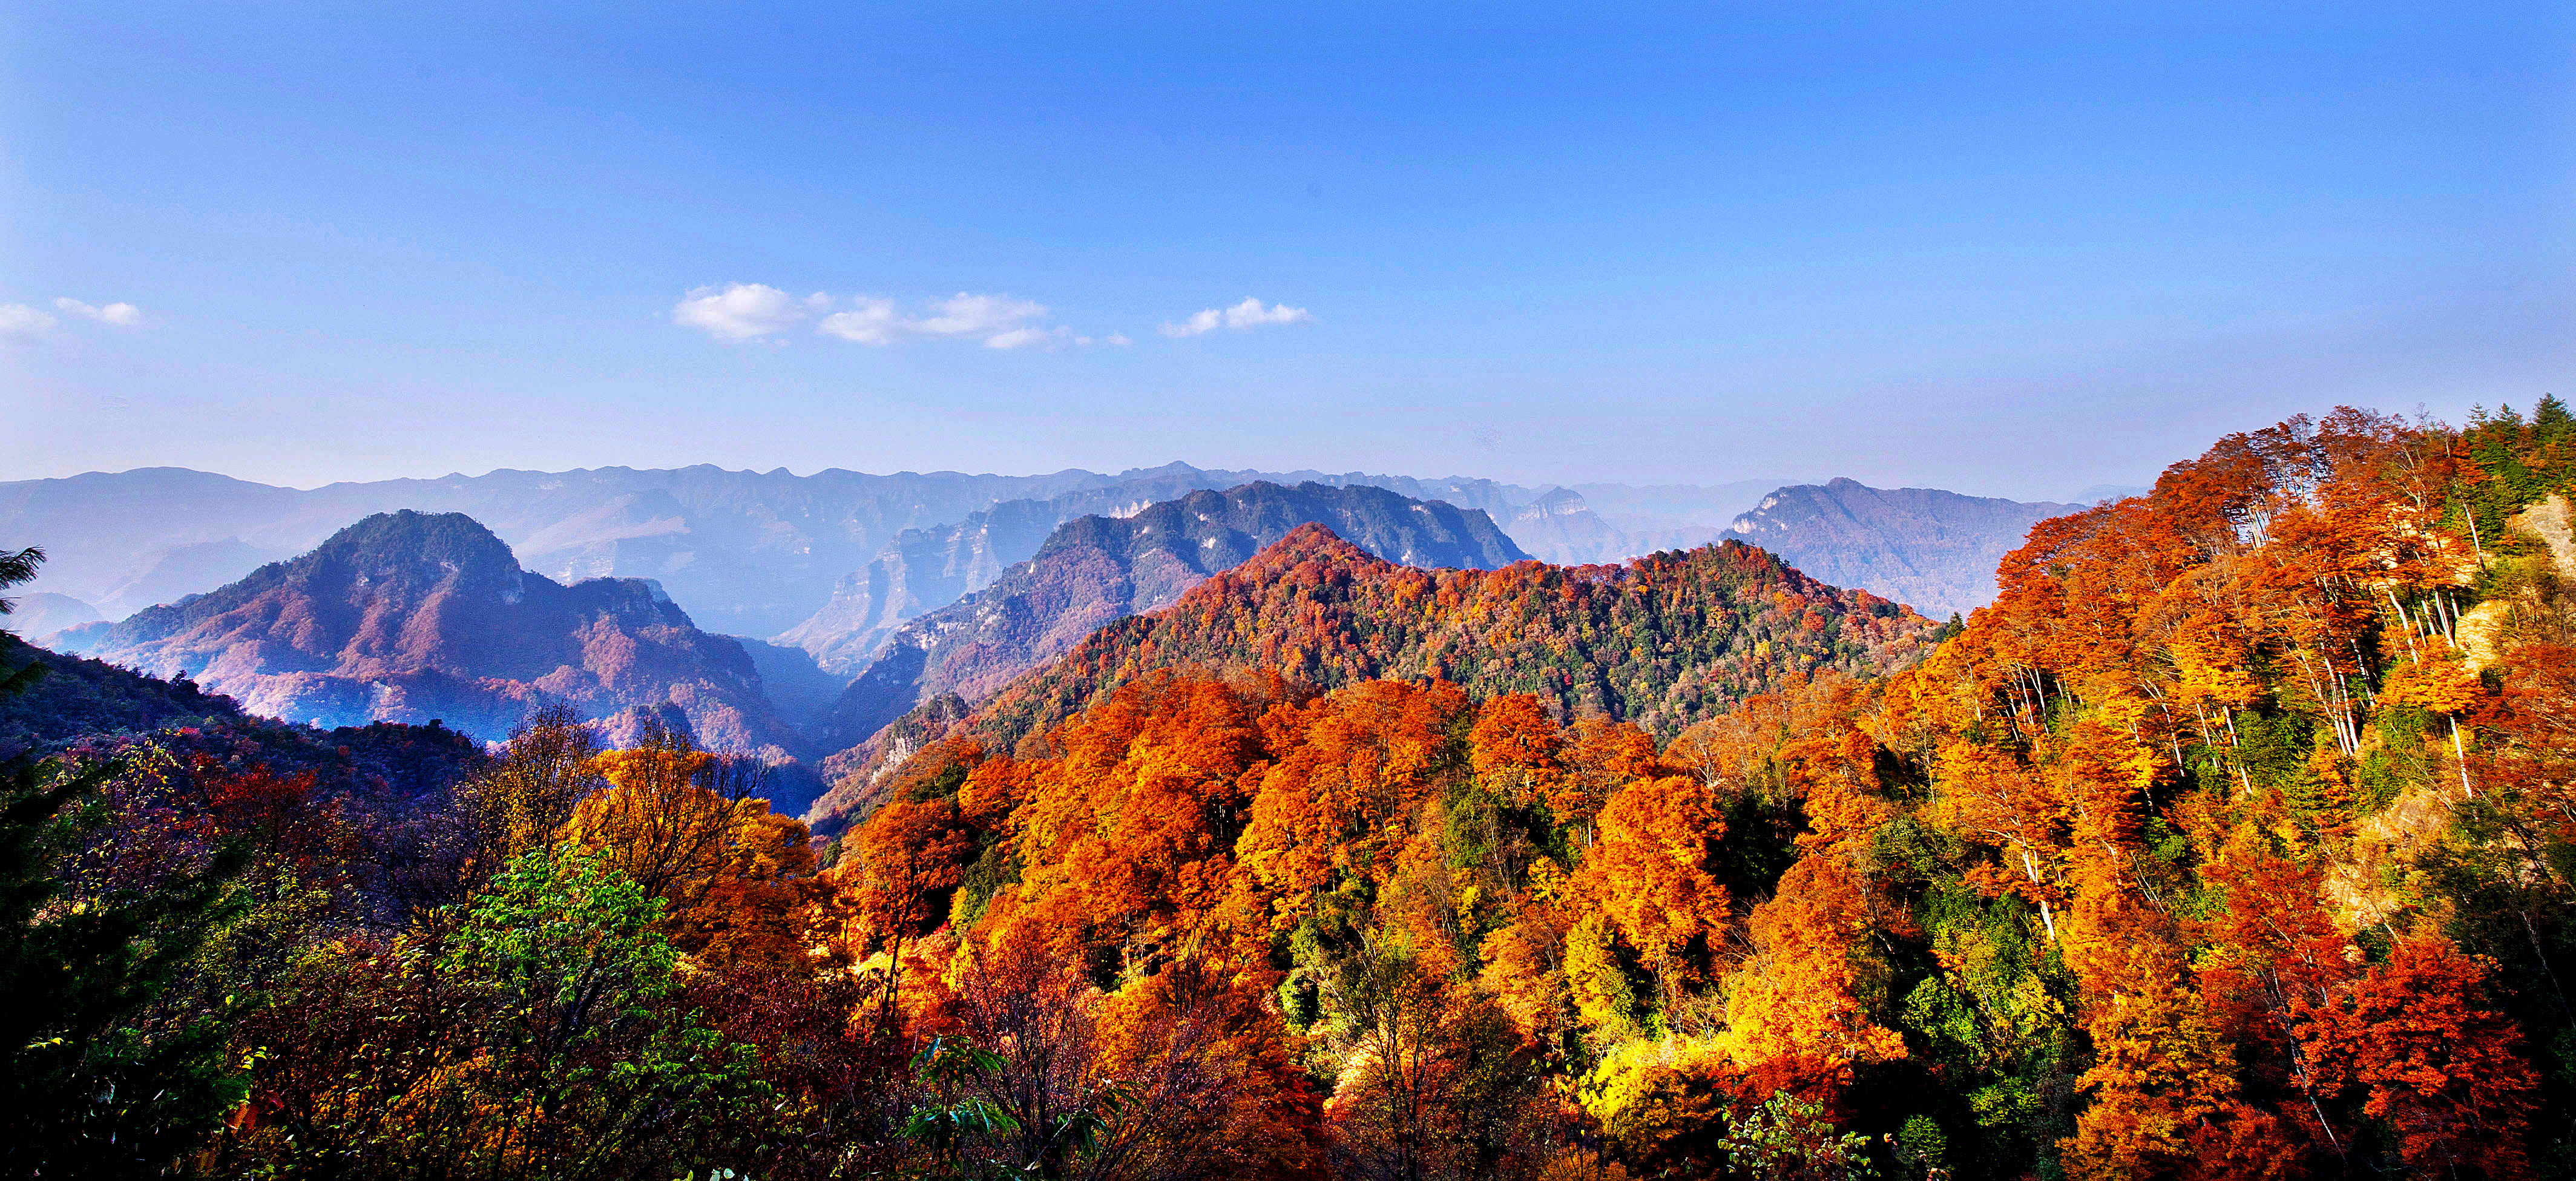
92	1081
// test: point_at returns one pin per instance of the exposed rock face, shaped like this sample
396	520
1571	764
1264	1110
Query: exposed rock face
1096	569
1932	550
409	616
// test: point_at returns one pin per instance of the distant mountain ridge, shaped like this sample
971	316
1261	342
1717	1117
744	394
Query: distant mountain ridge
752	552
1932	550
925	569
409	616
1096	569
1661	641
746	553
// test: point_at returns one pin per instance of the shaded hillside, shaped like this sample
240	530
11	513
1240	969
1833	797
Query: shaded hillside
409	617
75	696
1098	569
1661	642
1932	550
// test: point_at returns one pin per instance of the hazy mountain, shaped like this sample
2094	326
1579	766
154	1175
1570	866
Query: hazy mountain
923	570
1650	509
1561	528
752	553
409	616
1094	570
1594	523
1932	550
185	570
44	613
838	559
798	689
2102	492
1662	641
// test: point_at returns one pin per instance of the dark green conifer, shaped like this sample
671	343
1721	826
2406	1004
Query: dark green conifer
93	1081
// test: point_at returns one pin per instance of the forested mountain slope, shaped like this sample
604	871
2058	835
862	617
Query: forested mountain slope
74	697
923	570
409	616
2231	838
1098	569
1660	642
1932	550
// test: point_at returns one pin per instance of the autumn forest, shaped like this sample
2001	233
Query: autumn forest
2235	838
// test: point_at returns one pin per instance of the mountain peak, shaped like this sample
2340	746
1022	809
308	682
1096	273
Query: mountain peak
406	616
406	541
1312	541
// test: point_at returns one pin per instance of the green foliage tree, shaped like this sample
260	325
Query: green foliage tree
545	1035
583	1063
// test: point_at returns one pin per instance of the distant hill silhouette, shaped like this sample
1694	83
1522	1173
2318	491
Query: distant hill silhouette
1932	550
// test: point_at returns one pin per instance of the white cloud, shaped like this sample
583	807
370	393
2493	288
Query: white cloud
1120	339
1207	321
744	311
1020	338
999	321
988	316
124	315
748	311
1248	314
18	318
869	321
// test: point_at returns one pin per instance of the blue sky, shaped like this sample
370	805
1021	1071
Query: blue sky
2010	250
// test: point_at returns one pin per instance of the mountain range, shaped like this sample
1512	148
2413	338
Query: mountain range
936	619
838	558
1095	570
1661	642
